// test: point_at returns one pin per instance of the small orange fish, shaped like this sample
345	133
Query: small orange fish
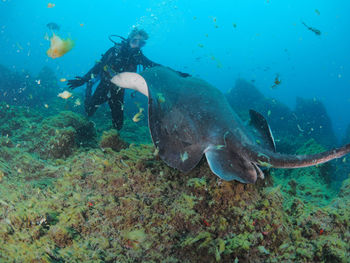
81	24
63	79
138	116
50	5
65	95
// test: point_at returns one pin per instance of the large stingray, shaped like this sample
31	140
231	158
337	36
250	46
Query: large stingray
188	117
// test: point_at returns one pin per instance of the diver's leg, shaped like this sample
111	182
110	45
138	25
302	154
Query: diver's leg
88	92
99	97
116	103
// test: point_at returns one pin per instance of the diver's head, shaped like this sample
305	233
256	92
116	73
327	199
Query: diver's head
137	38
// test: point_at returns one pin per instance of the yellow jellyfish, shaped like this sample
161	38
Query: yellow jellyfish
59	47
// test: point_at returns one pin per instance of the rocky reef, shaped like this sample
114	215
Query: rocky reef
74	190
114	204
22	89
297	126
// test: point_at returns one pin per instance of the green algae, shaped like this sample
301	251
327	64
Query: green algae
94	204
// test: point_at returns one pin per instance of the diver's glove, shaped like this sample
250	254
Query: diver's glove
77	82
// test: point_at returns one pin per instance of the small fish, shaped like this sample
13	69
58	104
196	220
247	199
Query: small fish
160	98
19	46
276	82
63	79
46	106
234	25
38	81
264	164
50	5
219	146
317	12
81	24
184	156
77	102
299	128
65	95
53	26
315	30
138	116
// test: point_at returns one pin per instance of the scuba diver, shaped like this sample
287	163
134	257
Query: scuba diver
122	57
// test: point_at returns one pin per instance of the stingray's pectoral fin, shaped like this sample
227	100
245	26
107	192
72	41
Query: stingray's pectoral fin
131	80
229	165
180	157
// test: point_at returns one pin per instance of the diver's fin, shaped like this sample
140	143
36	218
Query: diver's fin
260	123
228	165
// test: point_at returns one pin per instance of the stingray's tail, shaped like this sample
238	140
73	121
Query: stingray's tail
296	161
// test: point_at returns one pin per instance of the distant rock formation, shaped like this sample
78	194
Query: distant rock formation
22	89
290	128
314	121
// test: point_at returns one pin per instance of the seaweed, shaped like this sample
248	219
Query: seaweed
74	203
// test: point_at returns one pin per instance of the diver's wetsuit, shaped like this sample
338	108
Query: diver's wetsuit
120	58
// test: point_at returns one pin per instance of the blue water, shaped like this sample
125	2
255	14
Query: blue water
199	37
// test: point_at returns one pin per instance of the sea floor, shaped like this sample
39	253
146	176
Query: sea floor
72	192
